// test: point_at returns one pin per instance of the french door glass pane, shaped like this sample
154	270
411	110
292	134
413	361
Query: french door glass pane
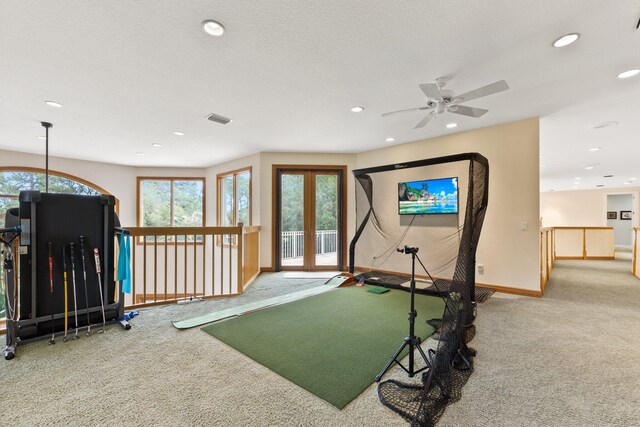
292	217
326	233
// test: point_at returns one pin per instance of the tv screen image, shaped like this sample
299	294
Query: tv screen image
431	196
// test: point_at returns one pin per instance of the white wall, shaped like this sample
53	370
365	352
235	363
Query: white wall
581	207
510	256
622	229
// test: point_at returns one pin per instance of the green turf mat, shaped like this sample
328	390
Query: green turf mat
378	290
332	344
245	308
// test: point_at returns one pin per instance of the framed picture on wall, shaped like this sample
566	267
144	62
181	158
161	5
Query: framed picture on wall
612	215
625	215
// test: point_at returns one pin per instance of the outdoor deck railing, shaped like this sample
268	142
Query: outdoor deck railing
293	243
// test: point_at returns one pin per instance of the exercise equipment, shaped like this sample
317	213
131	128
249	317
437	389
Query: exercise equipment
10	296
61	219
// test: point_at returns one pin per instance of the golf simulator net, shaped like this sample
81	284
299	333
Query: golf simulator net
447	245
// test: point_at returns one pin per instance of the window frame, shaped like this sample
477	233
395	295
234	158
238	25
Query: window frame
171	179
59	175
219	179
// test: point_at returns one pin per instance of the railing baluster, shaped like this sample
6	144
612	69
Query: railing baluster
166	263
195	265
155	268
204	265
185	266
175	266
144	270
213	265
222	265
230	264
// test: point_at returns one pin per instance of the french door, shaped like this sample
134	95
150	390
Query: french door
309	220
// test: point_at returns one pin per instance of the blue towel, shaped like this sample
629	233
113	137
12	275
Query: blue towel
124	268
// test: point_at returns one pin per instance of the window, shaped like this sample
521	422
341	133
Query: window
16	179
234	198
171	202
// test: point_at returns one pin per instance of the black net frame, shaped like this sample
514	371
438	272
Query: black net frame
451	363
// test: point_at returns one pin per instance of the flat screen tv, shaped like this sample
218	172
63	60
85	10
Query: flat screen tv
431	196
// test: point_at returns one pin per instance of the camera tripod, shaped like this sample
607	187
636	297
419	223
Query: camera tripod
412	340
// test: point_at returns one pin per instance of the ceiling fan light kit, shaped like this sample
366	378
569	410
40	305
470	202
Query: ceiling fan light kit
440	101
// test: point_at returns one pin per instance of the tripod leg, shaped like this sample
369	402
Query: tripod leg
390	362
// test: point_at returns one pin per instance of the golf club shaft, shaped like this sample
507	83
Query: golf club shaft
72	254
96	256
53	335
86	290
64	278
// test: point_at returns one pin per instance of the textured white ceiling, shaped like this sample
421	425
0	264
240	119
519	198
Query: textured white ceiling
130	73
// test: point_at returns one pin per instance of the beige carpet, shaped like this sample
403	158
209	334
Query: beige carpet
565	360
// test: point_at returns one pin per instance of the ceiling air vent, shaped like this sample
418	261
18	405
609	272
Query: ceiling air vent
608	176
218	119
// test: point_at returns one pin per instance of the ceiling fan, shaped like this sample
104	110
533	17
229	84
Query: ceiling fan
440	100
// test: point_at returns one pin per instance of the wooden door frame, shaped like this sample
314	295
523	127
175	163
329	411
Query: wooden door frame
276	182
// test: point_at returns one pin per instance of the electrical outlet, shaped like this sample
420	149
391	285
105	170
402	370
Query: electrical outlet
480	268
524	226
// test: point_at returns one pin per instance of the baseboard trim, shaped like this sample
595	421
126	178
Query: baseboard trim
267	270
497	288
588	258
510	290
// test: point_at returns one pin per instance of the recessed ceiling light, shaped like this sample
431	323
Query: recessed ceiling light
627	182
139	153
41	137
155	144
589	168
213	28
357	109
566	40
390	139
576	183
452	125
178	133
575	187
629	73
53	104
632	179
594	149
577	177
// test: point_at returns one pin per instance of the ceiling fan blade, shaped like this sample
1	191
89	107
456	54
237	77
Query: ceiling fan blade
467	111
431	90
424	121
483	91
404	111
